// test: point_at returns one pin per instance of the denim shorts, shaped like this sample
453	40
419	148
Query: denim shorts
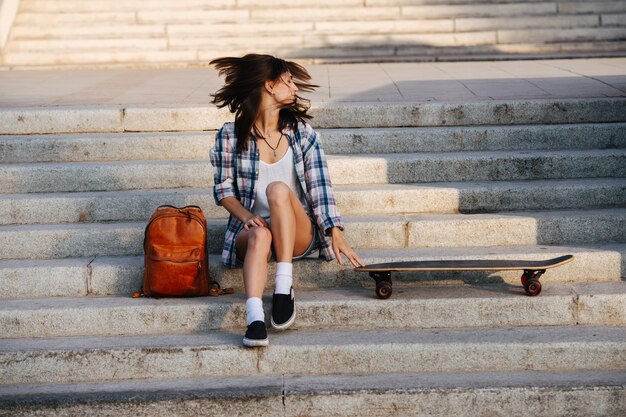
314	245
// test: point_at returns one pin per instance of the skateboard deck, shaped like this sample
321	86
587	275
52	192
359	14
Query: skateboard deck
533	270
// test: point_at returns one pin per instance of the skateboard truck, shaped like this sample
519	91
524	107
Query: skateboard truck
383	284
530	281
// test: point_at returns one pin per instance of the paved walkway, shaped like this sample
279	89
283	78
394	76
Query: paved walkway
389	82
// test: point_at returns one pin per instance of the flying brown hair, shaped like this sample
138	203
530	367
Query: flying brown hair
245	79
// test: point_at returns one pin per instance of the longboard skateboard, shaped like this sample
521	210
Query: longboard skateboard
533	270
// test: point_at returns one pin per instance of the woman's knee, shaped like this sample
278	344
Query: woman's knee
278	192
260	237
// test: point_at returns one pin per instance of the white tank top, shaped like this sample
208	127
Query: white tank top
282	170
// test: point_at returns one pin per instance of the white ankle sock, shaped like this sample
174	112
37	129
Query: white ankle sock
284	280
254	310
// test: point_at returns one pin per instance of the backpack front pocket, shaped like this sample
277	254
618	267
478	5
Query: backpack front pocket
175	270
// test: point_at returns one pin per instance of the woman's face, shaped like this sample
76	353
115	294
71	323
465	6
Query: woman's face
284	90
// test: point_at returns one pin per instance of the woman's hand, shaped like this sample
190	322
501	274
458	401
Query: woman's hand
341	246
254	221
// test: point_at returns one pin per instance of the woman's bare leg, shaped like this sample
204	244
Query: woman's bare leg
291	227
254	247
291	234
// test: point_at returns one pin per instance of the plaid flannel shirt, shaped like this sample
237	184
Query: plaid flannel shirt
236	175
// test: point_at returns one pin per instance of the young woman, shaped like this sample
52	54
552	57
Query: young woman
271	176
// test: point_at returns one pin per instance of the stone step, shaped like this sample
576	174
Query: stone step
350	26
103	276
425	53
105	176
61	6
523	394
267	14
102	206
227	42
313	352
133	17
245	28
176	58
342	54
561	35
37	19
594	263
154	43
370	3
565	50
195	145
138	205
72	31
409	25
344	170
303	12
613	19
101	119
219	46
458	39
108	57
501	23
519	228
78	31
480	10
121	147
457	24
476	166
114	30
58	6
210	46
364	232
592	7
421	12
20	32
489	306
309	41
472	138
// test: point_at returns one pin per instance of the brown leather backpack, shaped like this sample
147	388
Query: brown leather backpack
175	254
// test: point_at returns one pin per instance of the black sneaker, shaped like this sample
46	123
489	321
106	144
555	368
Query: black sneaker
256	335
283	310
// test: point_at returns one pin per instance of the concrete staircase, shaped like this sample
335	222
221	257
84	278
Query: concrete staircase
158	32
518	179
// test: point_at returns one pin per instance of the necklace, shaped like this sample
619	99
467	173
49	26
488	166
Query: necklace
277	145
268	144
